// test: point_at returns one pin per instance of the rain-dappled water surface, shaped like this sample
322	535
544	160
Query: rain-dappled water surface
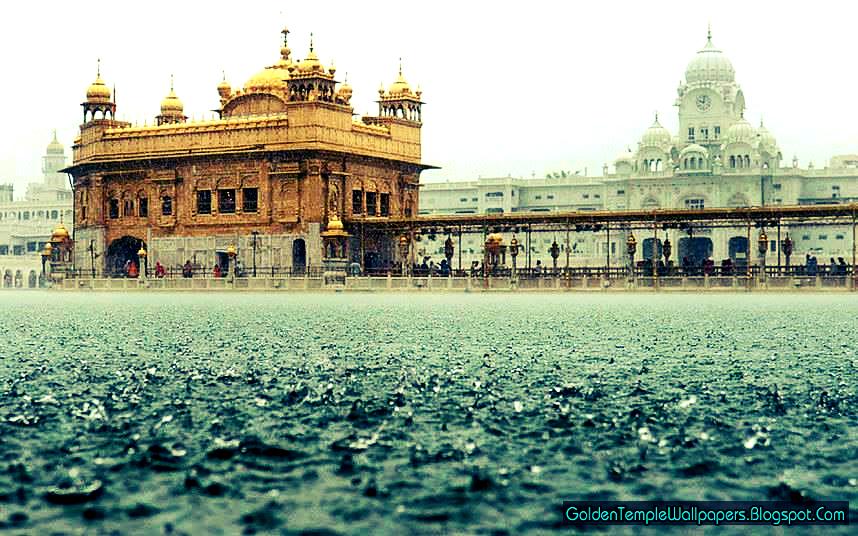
241	413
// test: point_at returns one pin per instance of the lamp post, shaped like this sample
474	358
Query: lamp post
141	260
231	252
763	246
665	249
255	239
513	251
448	253
46	254
631	247
403	253
786	246
555	252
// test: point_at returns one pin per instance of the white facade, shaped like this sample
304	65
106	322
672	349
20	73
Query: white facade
717	159
25	225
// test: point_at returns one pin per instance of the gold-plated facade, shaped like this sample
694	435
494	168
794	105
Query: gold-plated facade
283	158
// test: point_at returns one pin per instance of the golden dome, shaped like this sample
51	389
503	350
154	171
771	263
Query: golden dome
335	224
171	104
345	89
270	78
224	89
60	234
311	63
98	91
400	87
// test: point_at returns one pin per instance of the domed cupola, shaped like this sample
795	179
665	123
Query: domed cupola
98	100
98	92
400	86
311	63
172	109
767	140
709	65
271	78
344	93
224	89
55	147
741	132
400	101
625	162
656	135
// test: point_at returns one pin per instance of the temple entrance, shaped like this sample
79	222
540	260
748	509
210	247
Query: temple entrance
122	255
694	250
738	249
299	256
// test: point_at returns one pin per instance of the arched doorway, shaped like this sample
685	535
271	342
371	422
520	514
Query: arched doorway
299	256
739	251
696	249
32	279
121	253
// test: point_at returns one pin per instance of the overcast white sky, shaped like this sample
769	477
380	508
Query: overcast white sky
510	88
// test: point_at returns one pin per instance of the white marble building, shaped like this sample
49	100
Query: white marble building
25	225
717	159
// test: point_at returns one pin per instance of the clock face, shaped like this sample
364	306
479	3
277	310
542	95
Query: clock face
704	103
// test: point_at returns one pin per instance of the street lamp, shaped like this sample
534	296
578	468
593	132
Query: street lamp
403	252
513	251
631	247
448	253
555	252
763	246
46	254
141	256
786	246
255	238
231	252
665	249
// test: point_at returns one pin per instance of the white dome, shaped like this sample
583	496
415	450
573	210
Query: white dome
626	157
741	132
655	136
766	138
709	64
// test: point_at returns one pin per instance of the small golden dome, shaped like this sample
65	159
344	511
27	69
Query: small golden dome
171	104
60	234
400	87
335	224
98	91
224	89
345	89
311	64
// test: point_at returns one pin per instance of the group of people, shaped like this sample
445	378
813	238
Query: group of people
811	266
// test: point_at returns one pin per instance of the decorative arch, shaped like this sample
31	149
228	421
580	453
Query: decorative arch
120	252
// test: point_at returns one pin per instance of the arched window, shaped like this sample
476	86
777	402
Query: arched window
732	161
167	206
747	161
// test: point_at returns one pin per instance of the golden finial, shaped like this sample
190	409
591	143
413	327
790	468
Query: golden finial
311	41
400	66
709	31
171	82
98	69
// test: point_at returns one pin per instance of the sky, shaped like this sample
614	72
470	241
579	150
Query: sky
510	89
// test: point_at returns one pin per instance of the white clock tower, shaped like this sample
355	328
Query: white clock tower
709	101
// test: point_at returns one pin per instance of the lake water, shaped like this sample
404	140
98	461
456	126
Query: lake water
388	413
